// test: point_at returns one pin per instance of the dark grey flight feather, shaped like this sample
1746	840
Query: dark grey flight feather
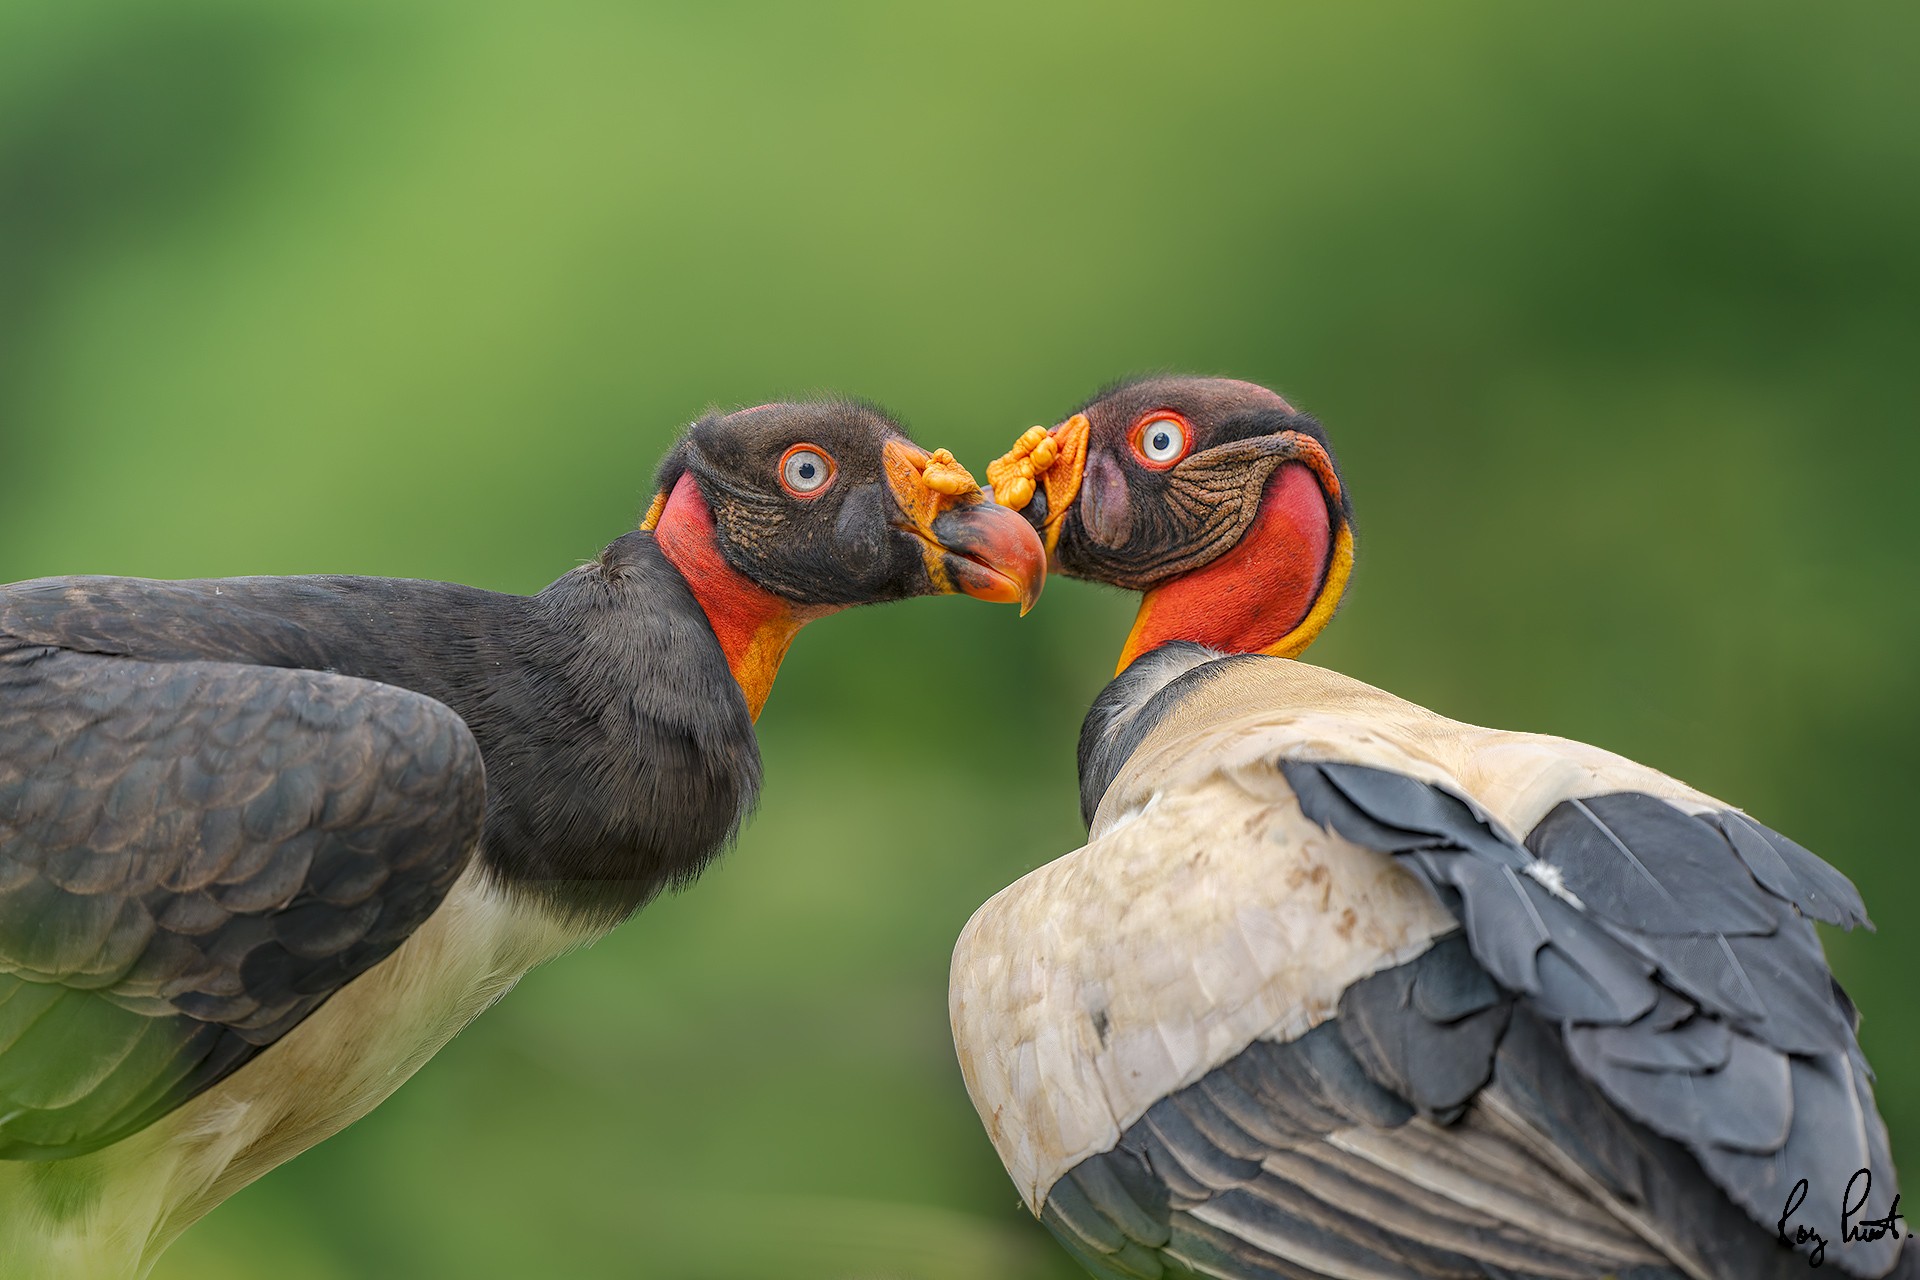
227	847
1727	1036
1697	1044
1436	1051
1242	1174
1251	1171
1745	1103
1792	873
1681	887
1529	939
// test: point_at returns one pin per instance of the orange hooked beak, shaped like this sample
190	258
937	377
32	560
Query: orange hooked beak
972	545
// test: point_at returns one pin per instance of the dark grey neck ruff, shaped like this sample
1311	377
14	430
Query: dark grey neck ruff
1134	703
620	757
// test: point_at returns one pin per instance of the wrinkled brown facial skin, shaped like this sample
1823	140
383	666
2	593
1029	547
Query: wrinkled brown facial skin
1135	526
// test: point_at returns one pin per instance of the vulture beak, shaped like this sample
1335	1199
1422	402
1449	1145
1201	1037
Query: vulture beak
1051	463
971	544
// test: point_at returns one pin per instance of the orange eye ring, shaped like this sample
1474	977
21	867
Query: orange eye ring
1161	439
806	471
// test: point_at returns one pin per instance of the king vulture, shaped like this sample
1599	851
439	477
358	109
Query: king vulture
1341	988
267	843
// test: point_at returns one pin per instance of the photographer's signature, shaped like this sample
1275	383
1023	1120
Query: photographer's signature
1853	1227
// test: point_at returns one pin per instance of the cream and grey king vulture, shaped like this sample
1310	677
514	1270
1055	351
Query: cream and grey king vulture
1339	987
267	843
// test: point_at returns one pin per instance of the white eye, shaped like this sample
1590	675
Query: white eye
805	470
1162	440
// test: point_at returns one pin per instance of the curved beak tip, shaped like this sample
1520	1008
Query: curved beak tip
992	553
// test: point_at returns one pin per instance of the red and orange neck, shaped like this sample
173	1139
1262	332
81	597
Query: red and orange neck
1274	591
753	625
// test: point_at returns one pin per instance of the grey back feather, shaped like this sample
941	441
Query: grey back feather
1693	992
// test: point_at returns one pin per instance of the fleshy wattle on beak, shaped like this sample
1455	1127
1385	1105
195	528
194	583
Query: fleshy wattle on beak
1049	464
972	545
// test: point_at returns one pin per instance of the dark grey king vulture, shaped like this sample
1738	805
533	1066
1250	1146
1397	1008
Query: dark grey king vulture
1341	988
267	843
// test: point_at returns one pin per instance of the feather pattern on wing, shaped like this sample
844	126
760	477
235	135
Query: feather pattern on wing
1754	1074
1633	1007
193	856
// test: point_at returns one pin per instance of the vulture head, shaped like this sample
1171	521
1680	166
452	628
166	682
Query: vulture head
781	513
1214	498
830	504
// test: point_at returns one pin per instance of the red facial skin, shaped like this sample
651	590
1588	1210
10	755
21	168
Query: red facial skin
754	626
1256	593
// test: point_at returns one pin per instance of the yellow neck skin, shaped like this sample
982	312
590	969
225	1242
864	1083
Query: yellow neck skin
1233	602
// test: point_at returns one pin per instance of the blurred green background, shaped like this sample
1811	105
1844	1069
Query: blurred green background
1610	309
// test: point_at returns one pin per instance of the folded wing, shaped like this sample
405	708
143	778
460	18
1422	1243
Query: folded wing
194	855
1689	990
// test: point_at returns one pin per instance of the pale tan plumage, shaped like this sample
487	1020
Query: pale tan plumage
112	1213
1206	912
1341	988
